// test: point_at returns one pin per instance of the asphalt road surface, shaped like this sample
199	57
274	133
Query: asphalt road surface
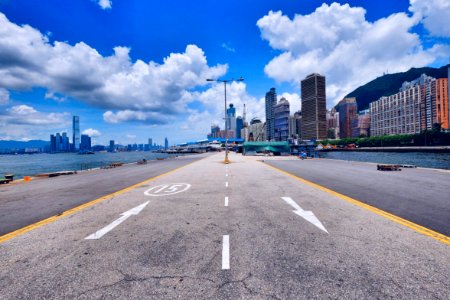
27	203
418	195
215	231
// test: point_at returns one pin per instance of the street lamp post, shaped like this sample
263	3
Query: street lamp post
225	81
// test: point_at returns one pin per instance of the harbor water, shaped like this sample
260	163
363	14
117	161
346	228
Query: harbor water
32	164
419	159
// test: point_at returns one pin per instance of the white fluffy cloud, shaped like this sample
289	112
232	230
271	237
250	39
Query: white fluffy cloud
337	41
25	122
434	14
130	91
105	4
92	132
4	96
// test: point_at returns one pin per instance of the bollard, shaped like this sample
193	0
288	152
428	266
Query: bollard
26	178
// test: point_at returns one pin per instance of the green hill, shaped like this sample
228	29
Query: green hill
389	84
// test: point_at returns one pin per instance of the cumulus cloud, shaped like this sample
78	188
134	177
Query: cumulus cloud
433	14
4	96
92	132
337	41
24	121
135	91
104	4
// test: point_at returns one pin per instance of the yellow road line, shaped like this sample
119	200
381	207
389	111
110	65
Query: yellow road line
416	227
71	211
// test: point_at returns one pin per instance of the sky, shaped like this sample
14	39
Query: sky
133	70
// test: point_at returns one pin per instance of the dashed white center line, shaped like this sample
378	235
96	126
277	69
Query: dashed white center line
226	253
226	201
226	175
226	184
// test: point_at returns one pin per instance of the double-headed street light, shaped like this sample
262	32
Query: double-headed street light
225	81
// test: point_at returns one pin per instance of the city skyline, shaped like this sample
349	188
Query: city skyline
67	72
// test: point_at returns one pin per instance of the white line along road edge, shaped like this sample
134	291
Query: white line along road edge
226	253
124	216
307	215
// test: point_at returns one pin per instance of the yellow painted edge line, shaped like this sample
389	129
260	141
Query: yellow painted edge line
71	211
416	227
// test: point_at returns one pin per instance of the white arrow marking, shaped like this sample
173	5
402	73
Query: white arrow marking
307	215
124	216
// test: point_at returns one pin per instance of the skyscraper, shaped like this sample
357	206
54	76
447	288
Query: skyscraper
65	142
271	100
281	113
111	146
239	126
314	120
231	116
85	144
76	133
58	142
166	144
347	117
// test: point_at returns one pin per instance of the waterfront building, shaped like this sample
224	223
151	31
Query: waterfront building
239	126
314	122
419	105
228	134
58	142
397	114
85	144
281	113
231	118
298	123
65	144
150	143
348	118
52	143
363	124
442	103
166	144
256	130
76	133
112	146
271	100
245	133
332	124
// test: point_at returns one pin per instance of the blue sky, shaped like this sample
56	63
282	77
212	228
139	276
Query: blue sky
65	61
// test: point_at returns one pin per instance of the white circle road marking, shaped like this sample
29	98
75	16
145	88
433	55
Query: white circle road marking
167	189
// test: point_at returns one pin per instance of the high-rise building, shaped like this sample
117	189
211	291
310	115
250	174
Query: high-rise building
150	143
314	120
65	144
363	126
215	130
448	94
397	114
271	100
85	144
58	142
231	118
348	117
52	143
239	126
442	103
111	146
298	124
76	132
281	113
166	144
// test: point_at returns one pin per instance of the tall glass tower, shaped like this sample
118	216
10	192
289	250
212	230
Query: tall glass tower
271	100
76	133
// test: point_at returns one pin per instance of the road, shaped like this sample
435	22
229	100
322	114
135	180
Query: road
418	195
215	231
25	204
